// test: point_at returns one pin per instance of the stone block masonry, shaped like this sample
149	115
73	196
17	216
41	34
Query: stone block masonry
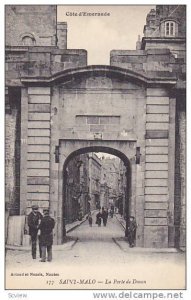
180	175
10	123
30	21
136	102
38	148
156	169
12	150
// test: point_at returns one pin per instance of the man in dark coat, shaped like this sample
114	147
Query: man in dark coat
104	215
46	236
90	219
98	218
34	219
132	231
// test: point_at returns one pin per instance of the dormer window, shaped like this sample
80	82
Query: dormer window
169	28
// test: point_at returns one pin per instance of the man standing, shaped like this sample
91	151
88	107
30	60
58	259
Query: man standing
132	231
90	219
46	236
98	218
104	216
34	219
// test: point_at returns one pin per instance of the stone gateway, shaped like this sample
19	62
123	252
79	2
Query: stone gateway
57	106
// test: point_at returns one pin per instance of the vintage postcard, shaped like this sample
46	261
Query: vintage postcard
95	147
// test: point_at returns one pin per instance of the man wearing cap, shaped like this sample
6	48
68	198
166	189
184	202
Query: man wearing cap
34	219
46	236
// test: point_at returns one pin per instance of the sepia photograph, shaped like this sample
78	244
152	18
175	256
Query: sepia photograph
95	147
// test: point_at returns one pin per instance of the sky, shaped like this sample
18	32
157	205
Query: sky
101	34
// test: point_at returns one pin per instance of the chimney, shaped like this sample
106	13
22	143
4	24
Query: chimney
62	35
138	43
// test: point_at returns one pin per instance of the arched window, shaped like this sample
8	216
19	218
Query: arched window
169	28
28	39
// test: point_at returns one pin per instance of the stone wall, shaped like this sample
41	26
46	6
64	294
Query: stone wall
12	151
40	61
35	163
151	61
94	105
156	169
35	21
62	35
180	174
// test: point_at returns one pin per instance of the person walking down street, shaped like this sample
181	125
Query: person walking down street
111	213
34	219
90	219
98	218
46	235
104	216
132	231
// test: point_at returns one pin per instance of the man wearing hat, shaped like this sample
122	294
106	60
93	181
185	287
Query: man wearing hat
34	219
46	236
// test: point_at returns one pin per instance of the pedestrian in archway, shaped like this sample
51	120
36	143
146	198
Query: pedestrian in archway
104	215
90	219
98	218
34	219
46	236
111	213
132	231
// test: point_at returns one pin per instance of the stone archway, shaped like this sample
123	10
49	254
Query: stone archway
105	106
107	150
125	150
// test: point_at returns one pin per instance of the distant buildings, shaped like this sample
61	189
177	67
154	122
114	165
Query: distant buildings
91	183
94	180
122	189
82	186
76	188
110	177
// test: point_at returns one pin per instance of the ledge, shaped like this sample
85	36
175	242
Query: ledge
105	70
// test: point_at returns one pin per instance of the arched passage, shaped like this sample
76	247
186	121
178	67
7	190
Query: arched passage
103	149
94	149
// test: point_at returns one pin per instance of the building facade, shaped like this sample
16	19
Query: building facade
44	129
94	180
122	190
110	167
76	184
104	192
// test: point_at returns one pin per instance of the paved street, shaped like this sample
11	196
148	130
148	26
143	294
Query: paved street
97	257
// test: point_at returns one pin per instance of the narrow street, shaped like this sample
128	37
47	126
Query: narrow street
96	261
99	242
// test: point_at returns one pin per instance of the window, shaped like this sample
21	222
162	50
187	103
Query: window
170	28
28	39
